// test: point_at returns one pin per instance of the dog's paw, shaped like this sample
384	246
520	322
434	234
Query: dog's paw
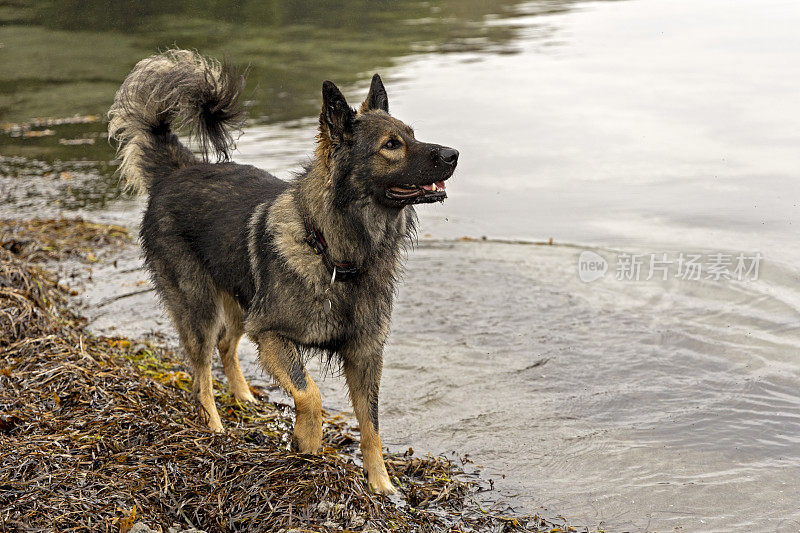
216	426
244	396
306	447
210	419
382	485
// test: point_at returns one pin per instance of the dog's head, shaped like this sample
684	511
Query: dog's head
373	155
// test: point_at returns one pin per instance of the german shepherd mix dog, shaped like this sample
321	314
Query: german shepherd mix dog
302	266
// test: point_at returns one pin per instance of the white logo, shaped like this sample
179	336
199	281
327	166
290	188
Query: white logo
591	266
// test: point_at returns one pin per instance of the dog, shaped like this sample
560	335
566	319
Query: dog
305	266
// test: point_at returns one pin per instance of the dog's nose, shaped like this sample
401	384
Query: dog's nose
448	155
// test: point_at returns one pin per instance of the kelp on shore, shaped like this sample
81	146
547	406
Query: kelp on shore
98	433
38	240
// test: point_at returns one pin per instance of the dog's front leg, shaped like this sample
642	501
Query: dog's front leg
363	362
282	360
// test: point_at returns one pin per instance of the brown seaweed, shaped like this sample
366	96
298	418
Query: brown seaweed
97	433
57	239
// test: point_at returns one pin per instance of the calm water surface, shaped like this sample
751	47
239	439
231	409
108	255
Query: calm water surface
636	127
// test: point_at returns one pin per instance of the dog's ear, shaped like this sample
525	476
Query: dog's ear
336	119
377	97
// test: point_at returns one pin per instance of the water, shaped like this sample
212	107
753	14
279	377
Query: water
616	127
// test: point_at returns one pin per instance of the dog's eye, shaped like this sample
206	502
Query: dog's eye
392	144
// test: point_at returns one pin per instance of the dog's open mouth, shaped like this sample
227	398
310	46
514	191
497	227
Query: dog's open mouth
418	194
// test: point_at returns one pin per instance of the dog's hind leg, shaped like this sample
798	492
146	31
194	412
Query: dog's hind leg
282	360
198	335
203	389
363	363
194	305
228	346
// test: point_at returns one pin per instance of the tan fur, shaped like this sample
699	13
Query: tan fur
203	386
252	241
274	354
371	446
229	350
286	225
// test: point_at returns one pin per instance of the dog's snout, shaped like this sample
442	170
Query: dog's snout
449	155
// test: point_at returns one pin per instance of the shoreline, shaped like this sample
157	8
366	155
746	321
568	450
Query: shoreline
64	423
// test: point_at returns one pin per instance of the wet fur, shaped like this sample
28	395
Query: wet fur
225	242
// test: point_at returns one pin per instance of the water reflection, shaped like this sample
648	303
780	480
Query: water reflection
62	58
66	58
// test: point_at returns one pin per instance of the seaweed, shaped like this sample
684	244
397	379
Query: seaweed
102	433
40	240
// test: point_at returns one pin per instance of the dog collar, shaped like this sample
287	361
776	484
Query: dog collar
344	270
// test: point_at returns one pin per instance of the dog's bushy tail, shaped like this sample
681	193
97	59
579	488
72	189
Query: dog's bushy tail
163	93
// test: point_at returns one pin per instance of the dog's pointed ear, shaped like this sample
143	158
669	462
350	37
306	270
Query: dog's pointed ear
336	119
377	97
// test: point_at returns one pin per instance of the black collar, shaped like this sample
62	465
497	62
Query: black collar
344	271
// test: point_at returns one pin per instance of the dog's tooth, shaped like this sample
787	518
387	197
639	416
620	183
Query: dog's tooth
434	187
